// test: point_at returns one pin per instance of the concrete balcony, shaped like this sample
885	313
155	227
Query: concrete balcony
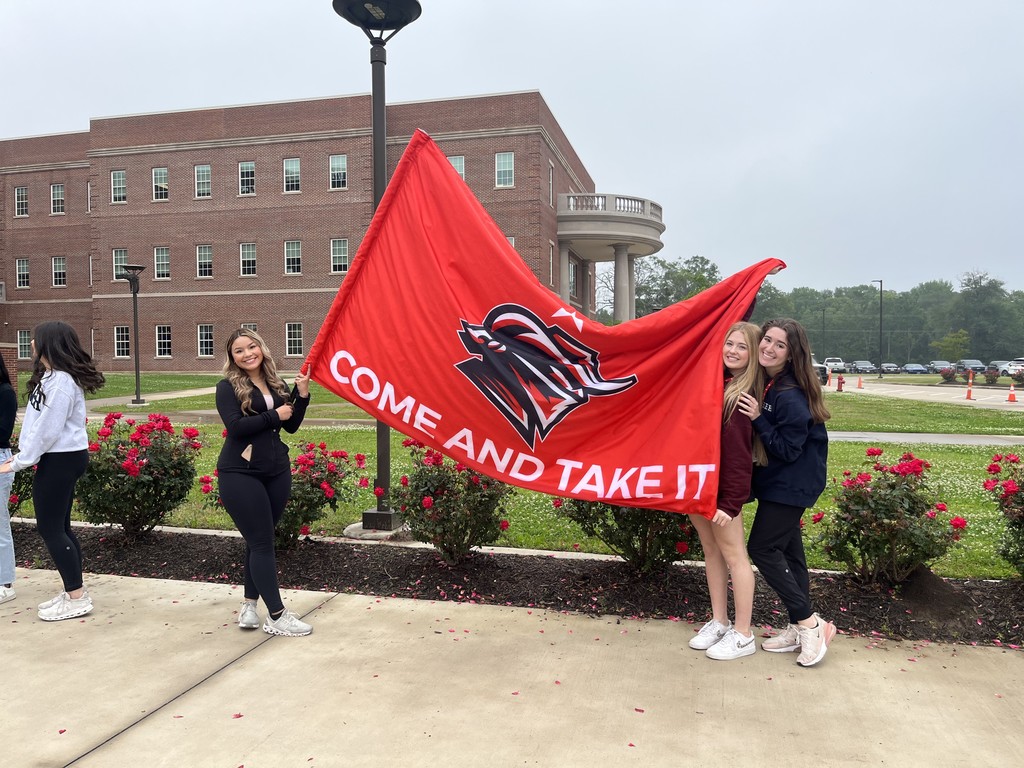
592	224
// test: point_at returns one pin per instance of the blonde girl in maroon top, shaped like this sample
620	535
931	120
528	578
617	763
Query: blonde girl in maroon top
725	552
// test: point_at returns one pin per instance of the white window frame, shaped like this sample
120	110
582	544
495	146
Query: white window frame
338	170
293	334
293	257
204	339
22	270
246	254
204	257
118	187
161	185
161	266
459	164
504	170
162	336
24	344
246	168
122	342
59	271
292	175
203	181
119	257
20	202
56	199
340	262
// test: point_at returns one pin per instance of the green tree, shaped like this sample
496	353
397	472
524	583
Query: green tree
952	346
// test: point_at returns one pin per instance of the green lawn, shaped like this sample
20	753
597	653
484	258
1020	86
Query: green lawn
956	475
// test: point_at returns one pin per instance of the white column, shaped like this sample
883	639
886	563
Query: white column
621	308
563	272
632	287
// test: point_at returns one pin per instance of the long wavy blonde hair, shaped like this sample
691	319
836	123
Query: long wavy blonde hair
750	380
240	381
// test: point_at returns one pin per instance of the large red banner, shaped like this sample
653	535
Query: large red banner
441	331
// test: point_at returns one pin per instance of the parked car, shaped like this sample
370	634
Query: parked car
890	368
996	366
970	364
1013	366
862	366
935	366
820	369
835	364
914	368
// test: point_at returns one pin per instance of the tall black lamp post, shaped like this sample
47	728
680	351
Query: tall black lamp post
376	18
823	332
131	274
880	353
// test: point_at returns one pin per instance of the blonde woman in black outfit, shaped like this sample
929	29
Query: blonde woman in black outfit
254	471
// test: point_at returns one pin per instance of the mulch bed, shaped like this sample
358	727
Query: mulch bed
925	608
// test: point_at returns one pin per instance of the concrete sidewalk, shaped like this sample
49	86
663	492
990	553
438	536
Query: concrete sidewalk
160	675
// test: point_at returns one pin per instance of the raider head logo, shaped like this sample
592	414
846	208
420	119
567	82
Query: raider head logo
535	374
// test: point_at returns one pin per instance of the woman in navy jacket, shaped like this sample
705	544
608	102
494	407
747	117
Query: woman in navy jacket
254	471
791	425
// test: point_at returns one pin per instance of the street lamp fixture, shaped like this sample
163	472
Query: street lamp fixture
376	18
131	273
880	353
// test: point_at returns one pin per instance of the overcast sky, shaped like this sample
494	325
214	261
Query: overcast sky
855	140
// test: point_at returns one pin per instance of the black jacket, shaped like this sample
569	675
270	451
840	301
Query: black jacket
260	429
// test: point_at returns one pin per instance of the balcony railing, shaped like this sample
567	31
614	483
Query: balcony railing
635	206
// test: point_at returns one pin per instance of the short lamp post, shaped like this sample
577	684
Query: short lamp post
131	273
880	353
376	18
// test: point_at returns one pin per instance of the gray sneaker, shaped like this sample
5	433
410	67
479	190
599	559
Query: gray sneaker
709	634
67	607
248	618
814	642
786	641
287	625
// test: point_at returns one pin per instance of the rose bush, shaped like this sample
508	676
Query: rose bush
888	523
448	505
321	479
1006	489
647	539
21	489
139	472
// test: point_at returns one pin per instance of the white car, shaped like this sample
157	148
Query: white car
835	364
1014	366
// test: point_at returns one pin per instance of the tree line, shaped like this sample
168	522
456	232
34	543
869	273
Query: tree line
932	321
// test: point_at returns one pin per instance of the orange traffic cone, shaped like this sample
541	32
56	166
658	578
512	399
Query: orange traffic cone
828	381
970	383
860	382
1012	397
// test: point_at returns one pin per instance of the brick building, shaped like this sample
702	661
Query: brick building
251	215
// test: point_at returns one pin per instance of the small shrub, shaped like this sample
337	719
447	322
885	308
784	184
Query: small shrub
139	472
948	374
648	540
448	505
1006	488
321	478
991	376
888	523
1018	377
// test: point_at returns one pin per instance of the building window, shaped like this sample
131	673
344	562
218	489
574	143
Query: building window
56	198
21	270
21	201
293	339
163	341
204	261
204	338
248	326
291	175
247	178
203	184
551	263
24	345
293	257
459	164
247	259
120	259
573	285
88	197
162	263
60	271
339	256
505	169
122	341
339	171
551	186
118	187
511	240
160	189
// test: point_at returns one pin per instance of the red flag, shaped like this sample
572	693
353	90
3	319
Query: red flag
441	331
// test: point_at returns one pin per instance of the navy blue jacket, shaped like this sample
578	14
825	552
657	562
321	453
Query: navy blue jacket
797	447
261	430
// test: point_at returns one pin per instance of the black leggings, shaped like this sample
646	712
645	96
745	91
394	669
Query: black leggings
53	492
256	503
777	548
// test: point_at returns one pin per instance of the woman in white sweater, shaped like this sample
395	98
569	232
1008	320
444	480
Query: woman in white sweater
54	440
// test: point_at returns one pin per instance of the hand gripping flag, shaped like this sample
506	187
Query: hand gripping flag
441	331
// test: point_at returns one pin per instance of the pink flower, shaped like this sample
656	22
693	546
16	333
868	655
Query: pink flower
817	517
1011	458
941	507
404	481
14	499
682	547
994	469
557	503
990	484
874	451
428	502
304	530
190	433
503	525
206	488
378	492
94	447
930	514
958	523
364	482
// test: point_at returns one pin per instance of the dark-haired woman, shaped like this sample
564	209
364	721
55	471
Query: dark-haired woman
54	440
254	471
8	413
791	425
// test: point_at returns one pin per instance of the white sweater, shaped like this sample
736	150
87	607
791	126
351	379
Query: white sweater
56	426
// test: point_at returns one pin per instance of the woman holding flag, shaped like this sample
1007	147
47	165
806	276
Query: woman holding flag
722	537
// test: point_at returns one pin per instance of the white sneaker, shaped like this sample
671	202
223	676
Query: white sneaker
733	645
67	608
6	593
287	625
248	618
56	599
709	634
786	641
